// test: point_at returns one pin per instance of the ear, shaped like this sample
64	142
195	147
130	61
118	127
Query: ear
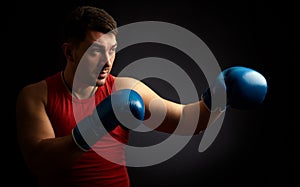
67	49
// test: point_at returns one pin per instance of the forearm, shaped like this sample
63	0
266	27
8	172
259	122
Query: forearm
181	119
53	155
196	117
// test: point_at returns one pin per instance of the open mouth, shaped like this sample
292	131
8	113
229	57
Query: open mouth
103	73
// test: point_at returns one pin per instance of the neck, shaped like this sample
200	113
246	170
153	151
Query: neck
72	92
65	82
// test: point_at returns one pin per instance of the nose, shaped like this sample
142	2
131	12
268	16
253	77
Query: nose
106	60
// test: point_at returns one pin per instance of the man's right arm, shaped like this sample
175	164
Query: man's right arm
42	151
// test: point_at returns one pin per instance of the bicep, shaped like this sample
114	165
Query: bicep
33	124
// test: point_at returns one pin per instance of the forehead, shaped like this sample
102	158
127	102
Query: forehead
108	39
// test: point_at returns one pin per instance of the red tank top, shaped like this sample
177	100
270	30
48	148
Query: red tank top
91	169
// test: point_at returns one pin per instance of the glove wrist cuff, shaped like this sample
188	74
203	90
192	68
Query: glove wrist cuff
79	140
207	100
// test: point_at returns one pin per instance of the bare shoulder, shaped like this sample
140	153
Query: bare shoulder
126	83
33	92
131	83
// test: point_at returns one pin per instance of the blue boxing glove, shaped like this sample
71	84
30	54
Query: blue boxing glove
124	107
245	88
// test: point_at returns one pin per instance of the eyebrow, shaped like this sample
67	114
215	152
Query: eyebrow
101	46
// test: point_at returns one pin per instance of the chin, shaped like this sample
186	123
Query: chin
100	82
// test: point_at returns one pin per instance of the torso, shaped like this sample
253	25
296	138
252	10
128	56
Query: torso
104	165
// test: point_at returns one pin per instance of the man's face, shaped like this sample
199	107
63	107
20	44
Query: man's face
95	56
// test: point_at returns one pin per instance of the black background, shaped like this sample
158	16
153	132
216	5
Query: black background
253	148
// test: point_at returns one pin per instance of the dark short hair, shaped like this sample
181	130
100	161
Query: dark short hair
85	18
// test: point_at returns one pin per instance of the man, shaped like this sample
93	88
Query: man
59	132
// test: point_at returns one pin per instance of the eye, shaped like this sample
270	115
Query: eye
95	50
113	49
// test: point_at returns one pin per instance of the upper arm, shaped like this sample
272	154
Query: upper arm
33	124
161	114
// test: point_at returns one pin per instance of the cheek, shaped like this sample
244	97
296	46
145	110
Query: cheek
90	61
112	59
